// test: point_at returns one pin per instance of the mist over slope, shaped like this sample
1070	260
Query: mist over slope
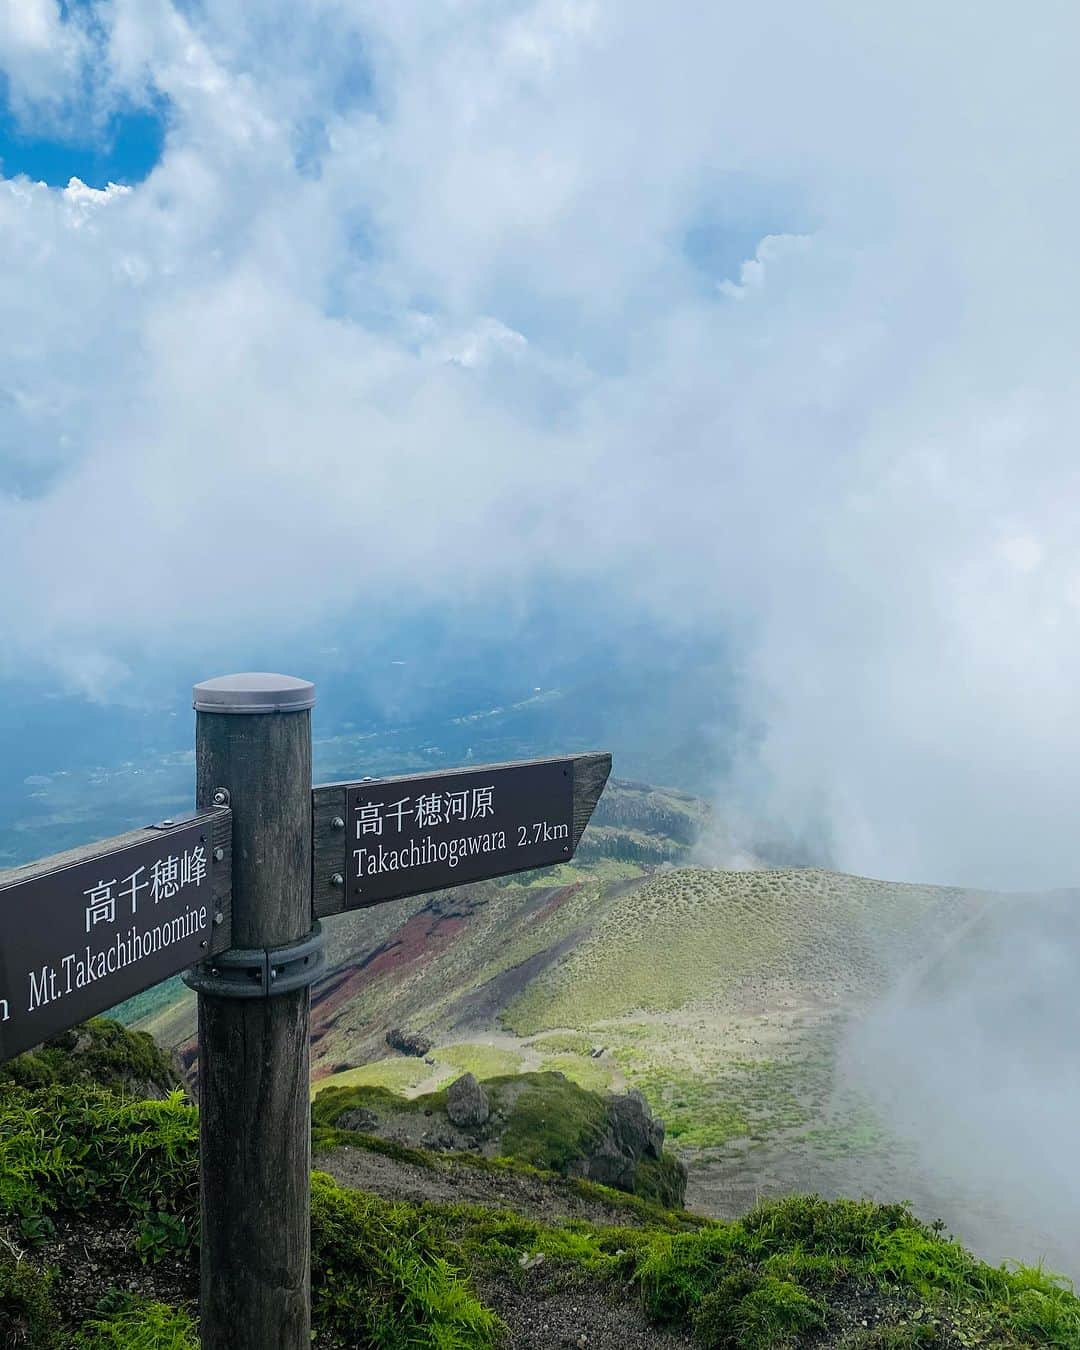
973	1059
797	1029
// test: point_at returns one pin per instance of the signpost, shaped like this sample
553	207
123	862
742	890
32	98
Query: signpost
381	839
82	931
236	893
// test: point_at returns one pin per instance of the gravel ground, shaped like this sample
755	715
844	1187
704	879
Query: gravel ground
551	1312
94	1256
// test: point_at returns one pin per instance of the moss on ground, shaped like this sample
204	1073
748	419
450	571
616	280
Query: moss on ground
397	1275
28	1317
102	1053
550	1122
334	1101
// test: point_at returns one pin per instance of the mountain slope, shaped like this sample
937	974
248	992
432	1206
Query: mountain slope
730	998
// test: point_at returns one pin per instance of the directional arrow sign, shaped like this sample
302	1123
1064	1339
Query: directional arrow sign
82	931
381	839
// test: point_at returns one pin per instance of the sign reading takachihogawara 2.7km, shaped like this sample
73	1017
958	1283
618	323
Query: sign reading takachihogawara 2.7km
404	836
82	931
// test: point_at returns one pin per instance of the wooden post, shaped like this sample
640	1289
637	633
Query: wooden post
253	742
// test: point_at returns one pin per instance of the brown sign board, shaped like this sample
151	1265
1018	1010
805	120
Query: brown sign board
82	931
381	839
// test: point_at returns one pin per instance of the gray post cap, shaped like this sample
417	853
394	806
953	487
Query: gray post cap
254	692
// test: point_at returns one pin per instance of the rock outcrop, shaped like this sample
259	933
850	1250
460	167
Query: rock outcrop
101	1052
542	1119
408	1042
467	1103
630	1138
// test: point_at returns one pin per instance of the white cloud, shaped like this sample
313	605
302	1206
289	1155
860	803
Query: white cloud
752	271
412	276
40	53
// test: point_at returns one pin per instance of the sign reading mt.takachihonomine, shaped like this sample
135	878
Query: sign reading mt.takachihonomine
381	839
81	932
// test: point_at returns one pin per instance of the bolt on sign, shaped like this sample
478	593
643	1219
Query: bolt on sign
381	839
82	931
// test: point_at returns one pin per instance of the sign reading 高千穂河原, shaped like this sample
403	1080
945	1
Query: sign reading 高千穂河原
402	836
414	835
81	932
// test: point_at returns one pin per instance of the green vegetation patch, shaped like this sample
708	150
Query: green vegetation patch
67	1148
689	933
748	1312
333	1102
124	1321
586	1073
563	1042
397	1073
101	1053
782	1270
28	1317
382	1277
484	1061
387	1276
550	1122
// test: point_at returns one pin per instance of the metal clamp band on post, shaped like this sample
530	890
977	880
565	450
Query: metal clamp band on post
258	973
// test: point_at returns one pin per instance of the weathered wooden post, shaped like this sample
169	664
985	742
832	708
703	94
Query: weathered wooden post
232	889
253	751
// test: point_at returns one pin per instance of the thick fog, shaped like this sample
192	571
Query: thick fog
763	320
971	1065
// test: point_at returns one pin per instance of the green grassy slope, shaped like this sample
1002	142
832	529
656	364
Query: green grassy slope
79	1161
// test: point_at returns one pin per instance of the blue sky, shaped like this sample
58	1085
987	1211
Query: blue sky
124	151
761	321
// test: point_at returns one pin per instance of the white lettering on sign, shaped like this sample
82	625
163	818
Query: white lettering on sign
168	876
80	969
80	934
42	987
193	866
432	808
369	819
101	907
422	852
131	888
457	806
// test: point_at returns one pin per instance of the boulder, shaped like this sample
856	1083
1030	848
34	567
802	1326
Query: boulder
609	1165
467	1103
634	1128
408	1042
359	1118
629	1153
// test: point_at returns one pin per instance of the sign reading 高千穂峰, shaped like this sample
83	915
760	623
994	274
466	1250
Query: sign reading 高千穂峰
403	836
81	932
